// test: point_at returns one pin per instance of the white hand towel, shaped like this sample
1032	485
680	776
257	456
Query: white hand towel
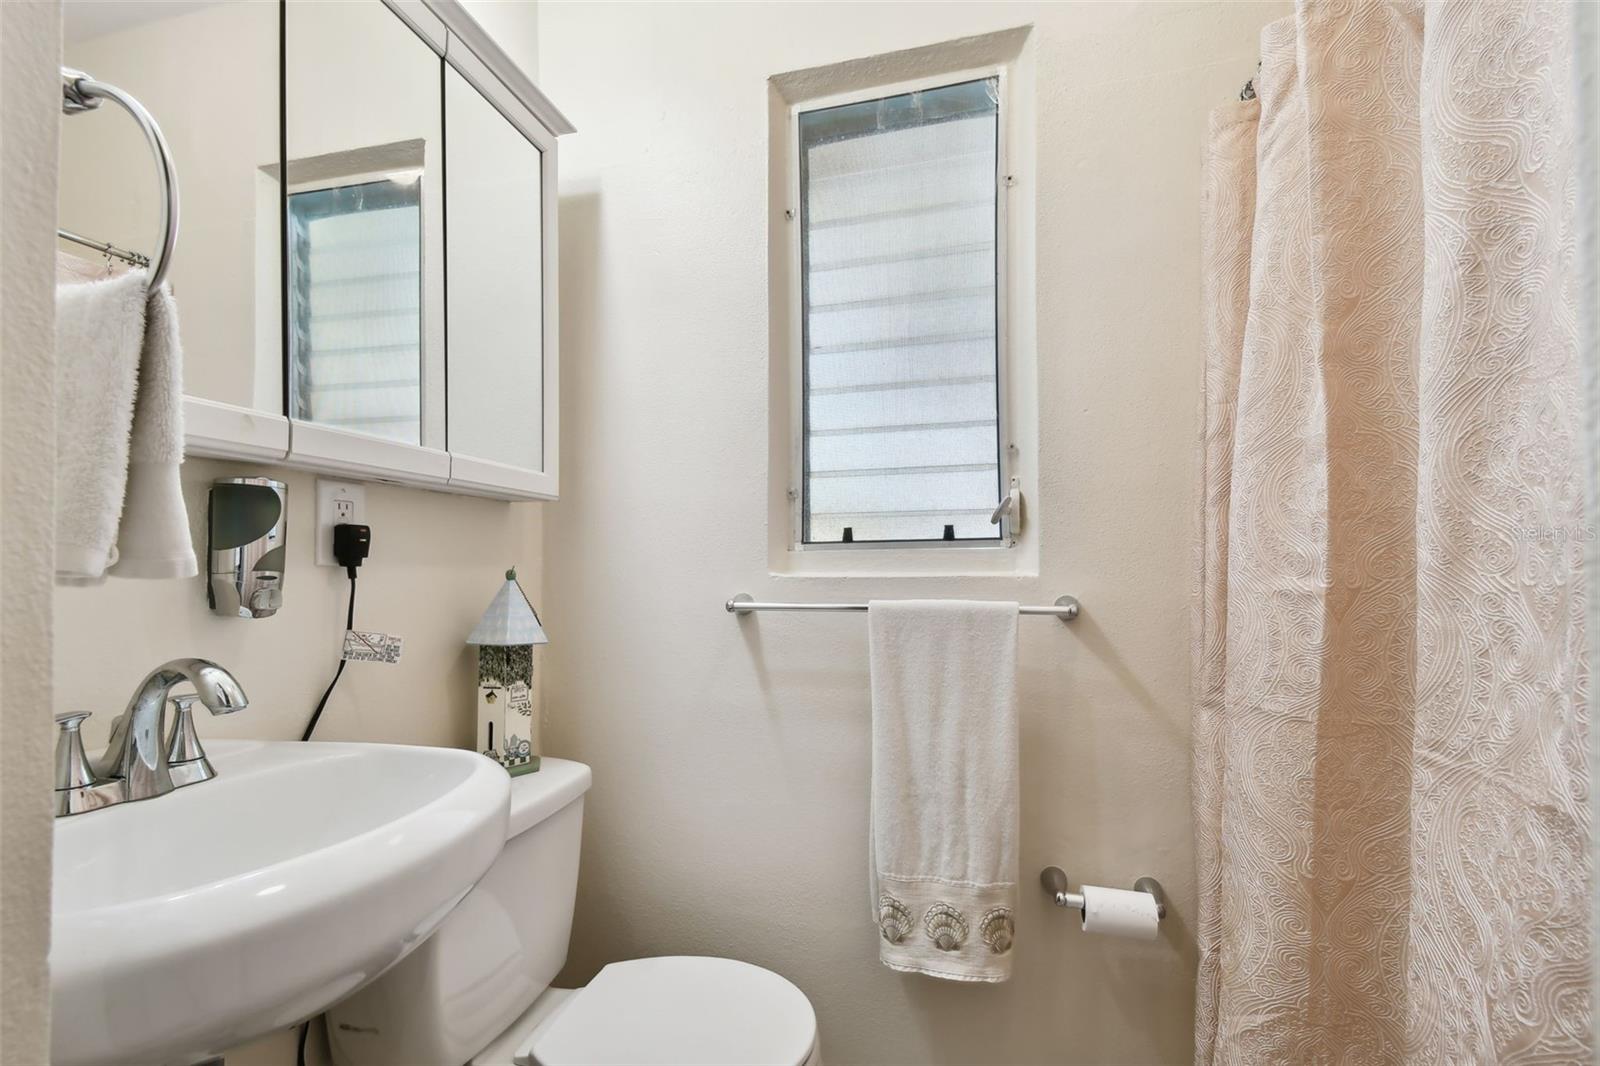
153	540
944	785
119	395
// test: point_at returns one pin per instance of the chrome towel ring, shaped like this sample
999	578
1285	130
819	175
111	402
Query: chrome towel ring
80	93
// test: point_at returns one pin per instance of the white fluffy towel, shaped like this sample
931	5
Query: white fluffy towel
119	433
944	786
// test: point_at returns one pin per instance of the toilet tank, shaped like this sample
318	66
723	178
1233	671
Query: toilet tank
493	954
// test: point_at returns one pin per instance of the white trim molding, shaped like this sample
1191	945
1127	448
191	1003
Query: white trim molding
226	431
484	477
361	455
477	40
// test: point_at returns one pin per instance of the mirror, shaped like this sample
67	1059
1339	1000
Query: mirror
318	186
208	72
365	205
495	202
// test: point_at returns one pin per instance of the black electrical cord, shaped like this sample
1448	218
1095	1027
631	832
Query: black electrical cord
351	542
311	726
349	624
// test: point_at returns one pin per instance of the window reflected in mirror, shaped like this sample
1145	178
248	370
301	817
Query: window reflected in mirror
355	305
364	225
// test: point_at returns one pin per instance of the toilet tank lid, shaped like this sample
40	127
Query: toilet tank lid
536	796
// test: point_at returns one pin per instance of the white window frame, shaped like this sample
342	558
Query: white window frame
1006	537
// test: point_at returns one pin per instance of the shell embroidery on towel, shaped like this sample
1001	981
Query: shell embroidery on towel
894	920
997	930
945	926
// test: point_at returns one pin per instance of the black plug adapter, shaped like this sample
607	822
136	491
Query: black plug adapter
351	543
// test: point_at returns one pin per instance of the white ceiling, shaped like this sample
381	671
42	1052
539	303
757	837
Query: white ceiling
82	19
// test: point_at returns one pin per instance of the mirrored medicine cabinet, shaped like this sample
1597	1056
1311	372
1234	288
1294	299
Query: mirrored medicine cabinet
366	260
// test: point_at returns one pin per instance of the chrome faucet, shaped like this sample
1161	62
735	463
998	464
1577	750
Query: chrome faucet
137	762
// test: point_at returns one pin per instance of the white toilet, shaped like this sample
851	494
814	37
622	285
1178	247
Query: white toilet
478	990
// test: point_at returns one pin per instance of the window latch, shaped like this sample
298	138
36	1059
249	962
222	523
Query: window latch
1010	505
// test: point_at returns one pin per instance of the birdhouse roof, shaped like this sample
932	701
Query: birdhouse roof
510	619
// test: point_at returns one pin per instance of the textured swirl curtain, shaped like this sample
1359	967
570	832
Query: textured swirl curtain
1391	786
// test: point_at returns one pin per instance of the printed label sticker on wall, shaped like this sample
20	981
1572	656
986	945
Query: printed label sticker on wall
367	646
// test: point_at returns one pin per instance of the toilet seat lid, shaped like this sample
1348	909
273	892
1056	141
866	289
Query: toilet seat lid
681	1010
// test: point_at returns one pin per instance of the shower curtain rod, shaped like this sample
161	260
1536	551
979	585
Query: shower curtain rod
1065	608
136	258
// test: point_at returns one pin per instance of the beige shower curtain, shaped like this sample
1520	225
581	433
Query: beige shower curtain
1390	770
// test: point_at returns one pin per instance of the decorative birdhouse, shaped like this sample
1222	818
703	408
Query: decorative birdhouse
505	637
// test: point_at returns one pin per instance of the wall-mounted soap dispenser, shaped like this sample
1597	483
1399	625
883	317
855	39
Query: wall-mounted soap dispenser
247	525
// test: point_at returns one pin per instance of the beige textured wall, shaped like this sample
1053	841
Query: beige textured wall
30	42
436	562
729	810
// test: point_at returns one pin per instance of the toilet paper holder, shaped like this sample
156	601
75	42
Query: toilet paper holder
1054	880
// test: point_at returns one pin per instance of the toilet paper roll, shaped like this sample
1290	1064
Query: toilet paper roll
1119	912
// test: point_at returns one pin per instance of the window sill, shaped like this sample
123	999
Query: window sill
931	562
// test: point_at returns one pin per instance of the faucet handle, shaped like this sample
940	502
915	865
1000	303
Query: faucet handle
186	759
183	743
77	787
72	765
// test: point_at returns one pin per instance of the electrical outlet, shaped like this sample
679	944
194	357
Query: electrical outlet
337	501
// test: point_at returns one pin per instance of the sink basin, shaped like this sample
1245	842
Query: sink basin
186	924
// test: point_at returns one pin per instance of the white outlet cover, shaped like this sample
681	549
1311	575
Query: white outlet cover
333	498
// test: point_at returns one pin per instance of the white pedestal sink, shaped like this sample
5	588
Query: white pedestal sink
186	924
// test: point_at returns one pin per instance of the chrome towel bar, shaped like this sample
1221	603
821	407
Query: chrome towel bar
1065	608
